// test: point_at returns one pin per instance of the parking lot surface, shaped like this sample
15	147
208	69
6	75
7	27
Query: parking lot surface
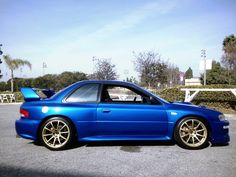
20	157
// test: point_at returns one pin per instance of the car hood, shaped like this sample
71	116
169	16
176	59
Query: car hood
190	105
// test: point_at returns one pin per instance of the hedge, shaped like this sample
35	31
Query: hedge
218	100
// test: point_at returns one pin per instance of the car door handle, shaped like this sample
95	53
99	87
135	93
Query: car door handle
106	110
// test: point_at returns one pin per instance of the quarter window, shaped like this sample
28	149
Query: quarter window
85	93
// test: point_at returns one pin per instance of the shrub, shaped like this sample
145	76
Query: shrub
218	100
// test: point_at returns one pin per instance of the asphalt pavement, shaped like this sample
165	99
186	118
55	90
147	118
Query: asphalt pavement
20	157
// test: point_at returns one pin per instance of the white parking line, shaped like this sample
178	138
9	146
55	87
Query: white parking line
11	103
230	116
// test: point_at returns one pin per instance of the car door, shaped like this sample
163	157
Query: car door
124	112
81	107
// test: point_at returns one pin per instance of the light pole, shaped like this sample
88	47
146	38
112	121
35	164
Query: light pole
44	66
0	60
94	59
1	50
203	55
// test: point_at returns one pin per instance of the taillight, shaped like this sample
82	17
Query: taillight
24	113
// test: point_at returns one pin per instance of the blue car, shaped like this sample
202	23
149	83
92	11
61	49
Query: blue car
115	110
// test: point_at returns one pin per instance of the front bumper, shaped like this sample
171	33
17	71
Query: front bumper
27	128
220	132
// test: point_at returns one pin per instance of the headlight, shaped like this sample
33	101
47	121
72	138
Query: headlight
222	117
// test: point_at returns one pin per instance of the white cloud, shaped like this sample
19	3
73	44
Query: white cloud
81	46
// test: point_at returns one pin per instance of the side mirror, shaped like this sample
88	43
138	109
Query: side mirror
149	100
153	100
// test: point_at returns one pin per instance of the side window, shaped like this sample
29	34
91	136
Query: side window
85	93
119	94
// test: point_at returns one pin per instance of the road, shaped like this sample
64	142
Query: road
20	157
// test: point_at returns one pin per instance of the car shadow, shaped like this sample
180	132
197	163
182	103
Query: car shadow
220	145
128	146
13	171
130	143
116	143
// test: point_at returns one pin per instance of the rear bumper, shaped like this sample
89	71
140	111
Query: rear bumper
27	128
220	132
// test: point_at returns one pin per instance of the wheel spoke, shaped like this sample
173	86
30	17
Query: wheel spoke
54	141
58	138
64	132
197	138
200	130
48	134
188	139
200	135
63	137
52	125
62	127
58	124
185	123
185	135
47	129
197	125
192	123
193	139
49	139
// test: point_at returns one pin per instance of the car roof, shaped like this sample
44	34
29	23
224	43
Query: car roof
115	82
105	81
64	91
59	96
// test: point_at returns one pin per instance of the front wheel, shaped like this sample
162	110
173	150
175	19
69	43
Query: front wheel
192	133
56	133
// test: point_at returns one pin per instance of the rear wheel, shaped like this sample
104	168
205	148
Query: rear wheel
192	133
56	133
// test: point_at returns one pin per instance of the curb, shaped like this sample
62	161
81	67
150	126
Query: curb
230	116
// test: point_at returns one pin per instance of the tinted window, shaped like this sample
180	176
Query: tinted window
86	93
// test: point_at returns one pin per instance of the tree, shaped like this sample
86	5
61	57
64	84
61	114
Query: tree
189	73
132	79
58	81
14	64
173	77
3	86
152	71
67	78
104	70
229	56
217	75
50	81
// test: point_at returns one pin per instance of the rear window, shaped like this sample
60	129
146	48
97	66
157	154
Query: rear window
85	93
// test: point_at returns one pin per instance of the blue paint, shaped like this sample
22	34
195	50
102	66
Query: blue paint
95	121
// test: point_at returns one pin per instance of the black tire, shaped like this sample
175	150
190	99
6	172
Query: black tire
56	133
192	133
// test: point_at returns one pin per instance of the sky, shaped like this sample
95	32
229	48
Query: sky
67	34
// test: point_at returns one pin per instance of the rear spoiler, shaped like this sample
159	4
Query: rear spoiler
34	94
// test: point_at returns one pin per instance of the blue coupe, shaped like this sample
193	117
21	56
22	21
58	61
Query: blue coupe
115	110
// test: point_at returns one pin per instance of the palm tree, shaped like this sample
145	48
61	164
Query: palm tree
14	64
